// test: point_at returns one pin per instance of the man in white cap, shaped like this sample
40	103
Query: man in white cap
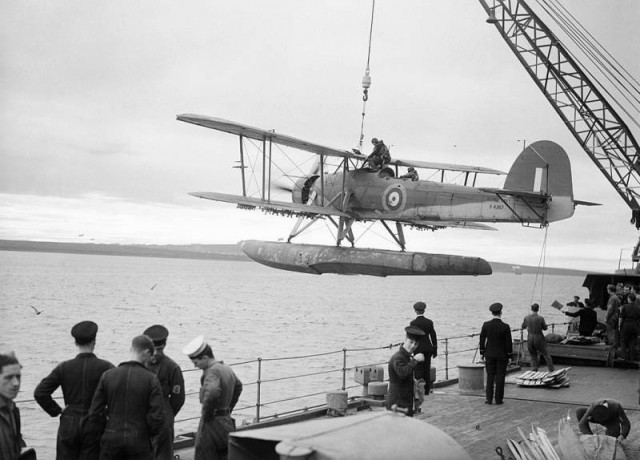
219	394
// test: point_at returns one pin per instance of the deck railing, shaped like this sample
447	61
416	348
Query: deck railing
453	350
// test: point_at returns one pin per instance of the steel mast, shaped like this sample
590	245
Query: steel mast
594	123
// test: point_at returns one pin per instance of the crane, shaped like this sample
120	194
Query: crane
592	120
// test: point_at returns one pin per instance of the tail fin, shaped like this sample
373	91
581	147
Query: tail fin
544	167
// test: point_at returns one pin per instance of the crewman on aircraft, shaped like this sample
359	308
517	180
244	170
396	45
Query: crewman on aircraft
411	174
380	155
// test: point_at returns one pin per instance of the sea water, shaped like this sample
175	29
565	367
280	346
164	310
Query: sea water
246	311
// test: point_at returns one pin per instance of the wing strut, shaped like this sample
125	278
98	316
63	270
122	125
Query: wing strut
398	236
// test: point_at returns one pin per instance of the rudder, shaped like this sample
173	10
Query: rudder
542	167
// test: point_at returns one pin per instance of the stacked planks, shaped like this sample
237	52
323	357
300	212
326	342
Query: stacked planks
555	379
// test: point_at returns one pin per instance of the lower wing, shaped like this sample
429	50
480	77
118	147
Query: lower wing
271	206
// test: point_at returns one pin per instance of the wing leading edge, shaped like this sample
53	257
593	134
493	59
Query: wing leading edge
294	208
260	134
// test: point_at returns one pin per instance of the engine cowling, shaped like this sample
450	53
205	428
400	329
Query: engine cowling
302	189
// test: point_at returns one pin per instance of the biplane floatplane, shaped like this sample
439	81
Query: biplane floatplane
538	190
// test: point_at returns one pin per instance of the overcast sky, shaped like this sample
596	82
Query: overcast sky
90	148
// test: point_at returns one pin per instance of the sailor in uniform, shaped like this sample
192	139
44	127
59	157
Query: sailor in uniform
219	394
496	346
401	367
172	382
78	378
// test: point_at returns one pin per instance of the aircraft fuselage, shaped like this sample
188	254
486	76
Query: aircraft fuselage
373	197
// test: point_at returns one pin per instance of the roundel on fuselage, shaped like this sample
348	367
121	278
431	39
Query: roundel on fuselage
394	198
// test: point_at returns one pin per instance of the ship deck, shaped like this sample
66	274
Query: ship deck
480	428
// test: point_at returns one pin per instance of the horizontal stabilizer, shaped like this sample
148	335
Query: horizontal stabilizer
295	208
586	203
518	193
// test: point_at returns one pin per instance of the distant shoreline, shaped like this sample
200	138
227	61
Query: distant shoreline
229	252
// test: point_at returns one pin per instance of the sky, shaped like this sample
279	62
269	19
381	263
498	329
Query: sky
90	149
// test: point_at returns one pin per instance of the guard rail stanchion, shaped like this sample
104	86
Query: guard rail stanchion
344	368
446	359
258	389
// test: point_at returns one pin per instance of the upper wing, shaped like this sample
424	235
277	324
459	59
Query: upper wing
446	167
293	208
262	134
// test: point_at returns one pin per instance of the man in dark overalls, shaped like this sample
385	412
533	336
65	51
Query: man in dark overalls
401	367
172	383
78	378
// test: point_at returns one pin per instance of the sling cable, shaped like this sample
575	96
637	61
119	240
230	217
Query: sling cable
366	80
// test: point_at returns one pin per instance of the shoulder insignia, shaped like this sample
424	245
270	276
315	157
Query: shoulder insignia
176	389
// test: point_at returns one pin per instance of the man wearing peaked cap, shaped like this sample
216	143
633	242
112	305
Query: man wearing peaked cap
401	366
78	378
220	391
84	332
428	346
495	348
172	382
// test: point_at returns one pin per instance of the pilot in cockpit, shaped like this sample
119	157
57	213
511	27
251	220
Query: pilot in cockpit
411	174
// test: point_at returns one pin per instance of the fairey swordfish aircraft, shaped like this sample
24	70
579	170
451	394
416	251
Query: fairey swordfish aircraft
537	190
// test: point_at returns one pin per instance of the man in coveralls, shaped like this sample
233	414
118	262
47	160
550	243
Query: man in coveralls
219	394
608	413
78	378
401	367
427	345
132	398
534	323
170	376
495	347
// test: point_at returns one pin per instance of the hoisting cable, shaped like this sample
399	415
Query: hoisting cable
541	266
366	80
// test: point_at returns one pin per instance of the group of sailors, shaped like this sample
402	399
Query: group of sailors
621	315
410	366
123	412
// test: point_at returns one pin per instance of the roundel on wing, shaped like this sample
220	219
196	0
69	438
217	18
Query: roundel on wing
394	198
